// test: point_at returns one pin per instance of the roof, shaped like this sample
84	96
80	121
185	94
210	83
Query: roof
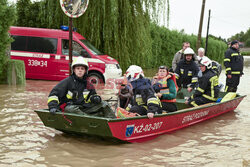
42	32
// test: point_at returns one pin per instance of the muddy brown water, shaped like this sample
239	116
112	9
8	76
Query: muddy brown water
223	141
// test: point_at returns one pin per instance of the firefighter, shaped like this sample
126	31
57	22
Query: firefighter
179	55
75	94
164	85
208	89
187	71
233	63
144	101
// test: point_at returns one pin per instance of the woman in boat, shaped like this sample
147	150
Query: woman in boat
164	85
144	101
208	89
75	94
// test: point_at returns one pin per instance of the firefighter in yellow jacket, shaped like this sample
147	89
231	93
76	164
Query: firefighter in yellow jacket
233	63
208	86
76	93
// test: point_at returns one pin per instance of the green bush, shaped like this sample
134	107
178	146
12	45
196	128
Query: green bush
247	43
165	43
245	53
16	72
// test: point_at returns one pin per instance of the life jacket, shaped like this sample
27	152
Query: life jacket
165	90
123	113
175	83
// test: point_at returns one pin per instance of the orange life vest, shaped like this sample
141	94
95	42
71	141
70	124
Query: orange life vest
165	86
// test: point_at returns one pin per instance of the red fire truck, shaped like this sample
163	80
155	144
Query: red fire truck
45	54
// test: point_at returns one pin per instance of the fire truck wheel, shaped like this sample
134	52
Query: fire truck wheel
95	78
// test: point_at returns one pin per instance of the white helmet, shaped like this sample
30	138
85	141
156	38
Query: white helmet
188	51
80	61
134	72
205	61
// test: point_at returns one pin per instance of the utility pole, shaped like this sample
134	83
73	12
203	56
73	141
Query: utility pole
70	45
209	12
198	43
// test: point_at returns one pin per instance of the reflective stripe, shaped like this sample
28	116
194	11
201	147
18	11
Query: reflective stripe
194	104
164	91
227	69
128	107
69	95
226	88
214	67
35	55
214	82
153	100
194	79
235	72
235	54
182	71
85	98
177	75
209	97
227	60
137	96
190	73
139	100
51	98
201	90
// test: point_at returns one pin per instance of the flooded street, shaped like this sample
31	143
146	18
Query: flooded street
24	141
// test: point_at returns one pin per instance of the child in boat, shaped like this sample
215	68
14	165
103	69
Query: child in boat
76	93
164	85
144	101
208	89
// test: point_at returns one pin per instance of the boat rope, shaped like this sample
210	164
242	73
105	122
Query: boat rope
64	116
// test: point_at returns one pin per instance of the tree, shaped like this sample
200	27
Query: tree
119	28
243	37
7	16
23	10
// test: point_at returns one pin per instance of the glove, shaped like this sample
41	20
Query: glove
53	110
157	87
96	99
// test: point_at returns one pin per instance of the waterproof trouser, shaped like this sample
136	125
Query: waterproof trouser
199	101
100	110
232	83
138	109
169	107
142	110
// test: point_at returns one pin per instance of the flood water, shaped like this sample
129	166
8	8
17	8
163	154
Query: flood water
223	141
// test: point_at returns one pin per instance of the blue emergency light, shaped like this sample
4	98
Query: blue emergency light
66	28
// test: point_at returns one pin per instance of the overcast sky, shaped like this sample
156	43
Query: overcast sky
228	17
